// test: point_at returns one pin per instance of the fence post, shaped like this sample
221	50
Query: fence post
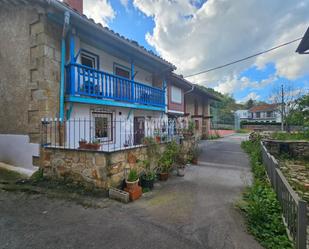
301	241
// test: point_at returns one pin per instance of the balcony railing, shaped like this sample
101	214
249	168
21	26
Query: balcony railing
89	82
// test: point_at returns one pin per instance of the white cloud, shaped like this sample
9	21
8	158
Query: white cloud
99	10
232	84
251	95
124	3
221	31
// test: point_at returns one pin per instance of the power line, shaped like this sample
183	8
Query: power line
243	59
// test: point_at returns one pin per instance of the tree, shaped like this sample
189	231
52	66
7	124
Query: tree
300	115
286	96
249	104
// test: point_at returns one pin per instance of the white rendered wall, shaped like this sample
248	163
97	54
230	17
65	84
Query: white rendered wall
107	64
81	124
17	151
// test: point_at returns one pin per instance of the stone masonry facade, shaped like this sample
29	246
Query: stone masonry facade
30	71
96	169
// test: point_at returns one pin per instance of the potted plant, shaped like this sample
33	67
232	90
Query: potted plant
187	133
148	178
181	163
158	139
194	153
94	145
165	164
82	144
157	135
164	138
167	159
132	187
132	180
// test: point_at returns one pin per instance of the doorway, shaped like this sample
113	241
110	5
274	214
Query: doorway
139	130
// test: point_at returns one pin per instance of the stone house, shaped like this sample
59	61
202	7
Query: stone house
71	79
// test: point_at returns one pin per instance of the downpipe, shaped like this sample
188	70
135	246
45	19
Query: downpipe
63	60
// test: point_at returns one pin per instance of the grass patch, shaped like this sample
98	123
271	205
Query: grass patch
87	196
260	206
9	175
291	136
64	186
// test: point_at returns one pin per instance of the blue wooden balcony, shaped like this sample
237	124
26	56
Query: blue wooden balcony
89	85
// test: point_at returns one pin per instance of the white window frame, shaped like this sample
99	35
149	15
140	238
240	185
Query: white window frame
110	128
176	95
91	57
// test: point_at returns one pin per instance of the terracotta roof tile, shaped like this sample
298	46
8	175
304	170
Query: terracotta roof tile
265	107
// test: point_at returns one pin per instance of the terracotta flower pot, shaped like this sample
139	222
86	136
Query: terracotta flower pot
93	146
194	160
134	193
163	176
132	185
82	145
158	139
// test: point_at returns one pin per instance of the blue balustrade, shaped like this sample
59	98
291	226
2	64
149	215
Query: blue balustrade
89	82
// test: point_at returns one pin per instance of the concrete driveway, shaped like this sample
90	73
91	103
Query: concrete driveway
192	212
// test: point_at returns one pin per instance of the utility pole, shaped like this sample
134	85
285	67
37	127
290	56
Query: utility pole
282	108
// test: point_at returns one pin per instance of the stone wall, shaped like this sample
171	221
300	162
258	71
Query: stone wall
30	69
99	169
265	127
298	149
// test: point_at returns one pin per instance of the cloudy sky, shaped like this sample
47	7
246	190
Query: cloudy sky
198	34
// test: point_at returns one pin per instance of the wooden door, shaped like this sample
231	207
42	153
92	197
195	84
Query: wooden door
123	87
139	130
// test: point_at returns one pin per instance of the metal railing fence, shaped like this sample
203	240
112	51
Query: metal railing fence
294	209
103	133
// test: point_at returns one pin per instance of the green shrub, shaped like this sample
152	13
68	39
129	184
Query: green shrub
261	208
149	173
37	176
133	175
244	122
303	135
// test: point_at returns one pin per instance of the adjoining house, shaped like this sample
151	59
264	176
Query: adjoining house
265	113
197	109
177	87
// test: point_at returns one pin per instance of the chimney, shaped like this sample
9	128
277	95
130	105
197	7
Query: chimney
75	4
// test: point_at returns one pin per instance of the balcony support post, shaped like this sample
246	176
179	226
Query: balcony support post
164	87
132	78
72	61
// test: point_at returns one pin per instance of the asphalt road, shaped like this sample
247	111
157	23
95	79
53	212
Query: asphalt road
196	211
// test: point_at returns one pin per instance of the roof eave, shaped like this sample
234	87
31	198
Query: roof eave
84	20
303	46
